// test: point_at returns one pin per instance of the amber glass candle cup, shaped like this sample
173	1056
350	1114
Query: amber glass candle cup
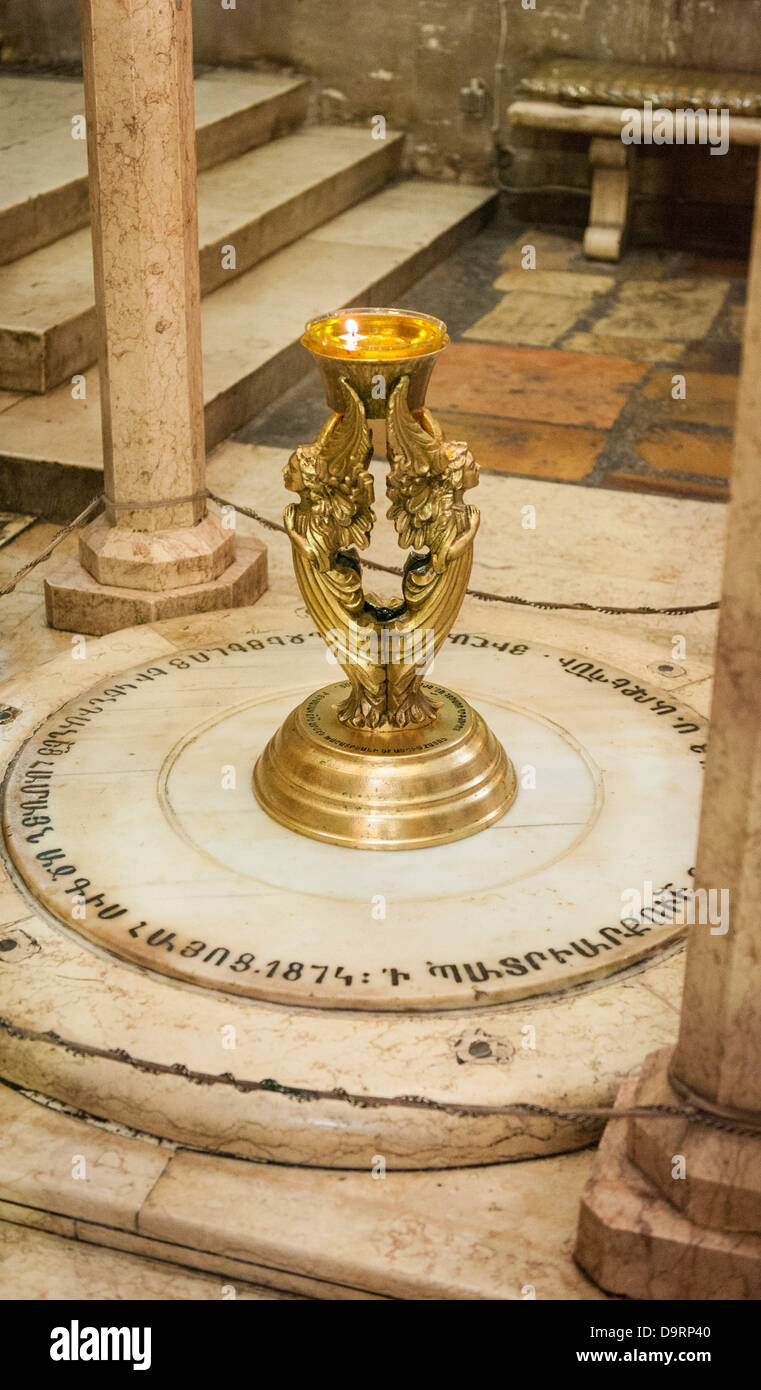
372	348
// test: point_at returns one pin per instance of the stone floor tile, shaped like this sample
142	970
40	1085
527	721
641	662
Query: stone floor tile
12	523
565	283
101	1176
526	317
564	452
710	355
710	399
643	263
675	450
637	349
664	309
39	1265
561	388
553	251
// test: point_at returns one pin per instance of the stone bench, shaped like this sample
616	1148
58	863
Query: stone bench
571	94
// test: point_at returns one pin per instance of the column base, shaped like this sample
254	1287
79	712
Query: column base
75	602
121	557
633	1242
721	1187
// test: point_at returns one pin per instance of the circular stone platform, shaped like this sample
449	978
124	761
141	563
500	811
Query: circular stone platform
130	823
129	814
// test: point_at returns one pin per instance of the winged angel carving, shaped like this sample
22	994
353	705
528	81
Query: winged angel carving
384	647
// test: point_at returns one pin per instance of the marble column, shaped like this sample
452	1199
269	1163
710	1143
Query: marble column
154	552
673	1209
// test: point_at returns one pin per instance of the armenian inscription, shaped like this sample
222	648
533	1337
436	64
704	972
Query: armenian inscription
130	819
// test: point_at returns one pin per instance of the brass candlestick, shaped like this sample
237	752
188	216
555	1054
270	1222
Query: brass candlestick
389	761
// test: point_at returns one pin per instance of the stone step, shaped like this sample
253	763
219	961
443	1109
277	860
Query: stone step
44	186
255	204
50	446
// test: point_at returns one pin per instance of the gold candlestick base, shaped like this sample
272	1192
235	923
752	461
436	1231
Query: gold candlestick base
384	789
388	761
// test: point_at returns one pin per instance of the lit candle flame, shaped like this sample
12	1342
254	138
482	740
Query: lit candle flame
351	336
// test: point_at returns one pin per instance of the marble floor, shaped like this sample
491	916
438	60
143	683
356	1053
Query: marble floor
596	545
561	380
39	1264
565	368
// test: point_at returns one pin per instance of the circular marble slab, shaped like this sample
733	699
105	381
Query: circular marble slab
129	817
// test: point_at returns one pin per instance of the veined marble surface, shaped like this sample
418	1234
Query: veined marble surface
302	1084
318	1086
131	817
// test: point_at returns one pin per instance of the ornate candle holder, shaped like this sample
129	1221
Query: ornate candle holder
389	760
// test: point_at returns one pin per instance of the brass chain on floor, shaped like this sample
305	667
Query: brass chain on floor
484	595
586	1114
59	536
583	1114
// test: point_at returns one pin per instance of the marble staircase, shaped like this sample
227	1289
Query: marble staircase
293	219
44	191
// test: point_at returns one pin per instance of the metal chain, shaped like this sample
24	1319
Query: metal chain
483	594
583	1114
546	605
59	536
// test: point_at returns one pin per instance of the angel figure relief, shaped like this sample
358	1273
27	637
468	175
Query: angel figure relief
426	482
379	643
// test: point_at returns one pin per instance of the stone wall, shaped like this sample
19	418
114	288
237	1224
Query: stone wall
408	59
